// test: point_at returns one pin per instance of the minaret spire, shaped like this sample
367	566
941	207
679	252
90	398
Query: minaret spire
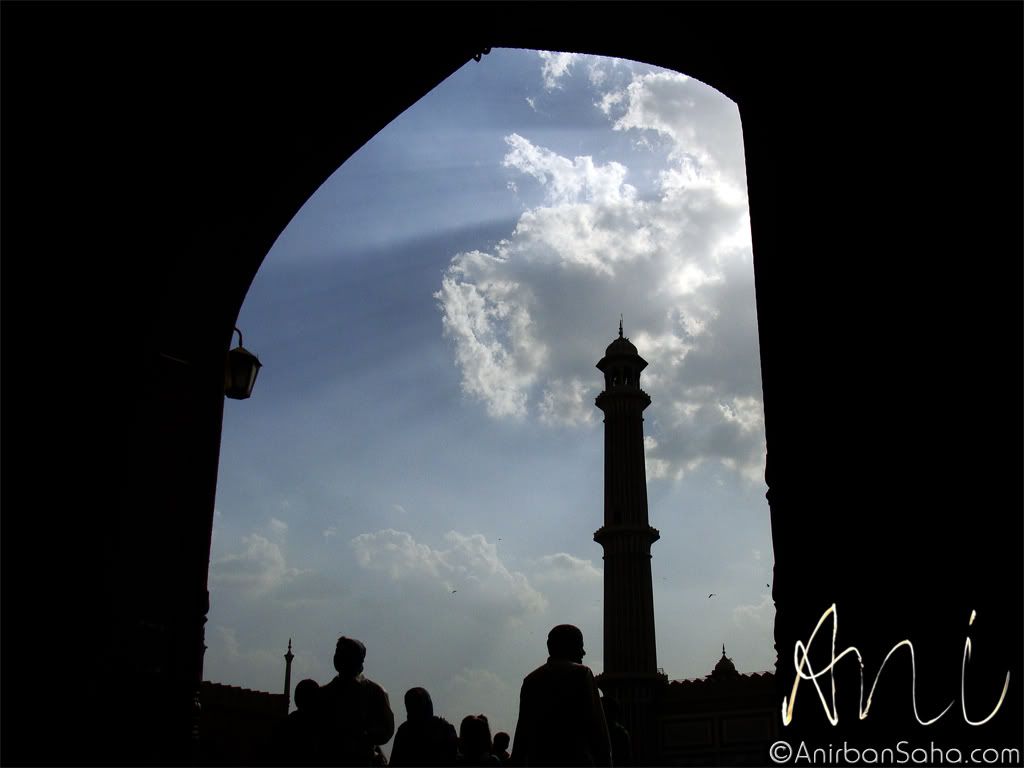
620	325
288	677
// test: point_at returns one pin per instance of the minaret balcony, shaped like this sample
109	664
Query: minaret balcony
623	395
639	536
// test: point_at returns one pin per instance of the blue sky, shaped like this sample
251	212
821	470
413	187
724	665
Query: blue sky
429	324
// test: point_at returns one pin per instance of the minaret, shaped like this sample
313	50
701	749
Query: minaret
288	677
630	657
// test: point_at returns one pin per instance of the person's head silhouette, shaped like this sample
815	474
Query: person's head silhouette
305	693
418	705
565	643
475	736
348	657
501	741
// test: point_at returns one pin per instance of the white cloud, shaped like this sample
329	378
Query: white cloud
568	181
566	403
610	100
655	467
527	318
701	125
397	554
259	567
489	320
554	66
469	565
563	567
596	72
278	527
757	616
584	236
331	530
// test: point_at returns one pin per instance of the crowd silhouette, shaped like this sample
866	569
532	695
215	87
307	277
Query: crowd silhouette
562	720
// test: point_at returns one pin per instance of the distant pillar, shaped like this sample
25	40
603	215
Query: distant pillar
288	678
631	672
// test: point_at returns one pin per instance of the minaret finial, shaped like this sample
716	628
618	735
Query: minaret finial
620	325
723	649
290	645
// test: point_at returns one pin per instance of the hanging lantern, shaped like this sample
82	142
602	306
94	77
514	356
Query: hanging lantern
240	369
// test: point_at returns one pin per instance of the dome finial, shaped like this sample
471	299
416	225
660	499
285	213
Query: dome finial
723	649
620	325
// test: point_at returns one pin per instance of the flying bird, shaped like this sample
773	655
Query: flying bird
711	595
454	591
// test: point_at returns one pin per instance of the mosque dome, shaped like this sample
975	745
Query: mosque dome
621	346
622	361
724	668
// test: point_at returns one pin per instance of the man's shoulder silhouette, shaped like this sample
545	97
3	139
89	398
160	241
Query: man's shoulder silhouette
561	721
558	672
356	713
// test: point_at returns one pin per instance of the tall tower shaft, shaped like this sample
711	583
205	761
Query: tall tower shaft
630	654
288	677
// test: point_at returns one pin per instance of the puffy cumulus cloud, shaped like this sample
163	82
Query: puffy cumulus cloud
259	567
489	320
565	180
582	237
469	565
399	555
530	318
601	68
655	467
563	567
701	126
566	403
554	66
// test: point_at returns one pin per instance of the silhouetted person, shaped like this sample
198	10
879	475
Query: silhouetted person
622	744
298	743
355	714
475	742
501	744
424	739
561	721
